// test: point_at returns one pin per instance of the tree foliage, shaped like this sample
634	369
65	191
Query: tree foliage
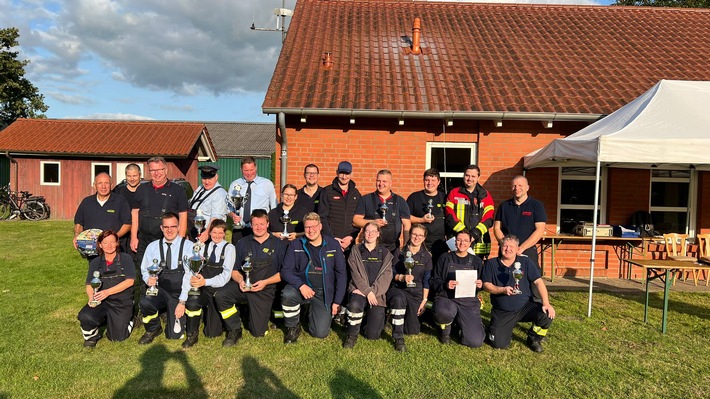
665	3
19	98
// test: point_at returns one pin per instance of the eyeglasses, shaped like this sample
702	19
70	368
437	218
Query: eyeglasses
315	227
371	231
156	170
288	195
417	235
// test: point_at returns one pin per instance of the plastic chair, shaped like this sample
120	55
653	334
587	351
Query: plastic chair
677	249
704	253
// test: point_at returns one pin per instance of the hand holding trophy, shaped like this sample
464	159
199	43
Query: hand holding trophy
153	271
409	265
196	262
517	275
95	283
234	202
429	207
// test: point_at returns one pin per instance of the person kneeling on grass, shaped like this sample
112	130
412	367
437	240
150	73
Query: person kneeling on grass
371	271
466	310
314	271
113	302
220	256
513	300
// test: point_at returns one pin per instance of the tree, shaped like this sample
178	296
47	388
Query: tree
19	98
665	3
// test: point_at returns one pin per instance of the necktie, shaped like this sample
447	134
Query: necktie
247	204
213	259
169	256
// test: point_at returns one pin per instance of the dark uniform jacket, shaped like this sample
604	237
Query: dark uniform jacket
336	211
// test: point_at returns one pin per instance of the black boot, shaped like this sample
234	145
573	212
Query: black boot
350	342
292	335
149	336
191	340
233	336
535	346
445	337
399	345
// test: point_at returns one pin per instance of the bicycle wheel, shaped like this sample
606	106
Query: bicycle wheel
34	210
5	210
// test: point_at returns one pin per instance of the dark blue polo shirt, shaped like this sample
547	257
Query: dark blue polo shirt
113	214
496	273
520	220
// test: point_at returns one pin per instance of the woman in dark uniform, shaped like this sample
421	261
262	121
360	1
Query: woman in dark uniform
287	211
408	302
447	308
371	270
113	302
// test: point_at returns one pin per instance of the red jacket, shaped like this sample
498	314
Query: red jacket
473	212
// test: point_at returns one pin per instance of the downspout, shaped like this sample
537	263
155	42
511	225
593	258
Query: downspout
13	160
281	122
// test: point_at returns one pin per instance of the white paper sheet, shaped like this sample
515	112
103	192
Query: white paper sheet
466	283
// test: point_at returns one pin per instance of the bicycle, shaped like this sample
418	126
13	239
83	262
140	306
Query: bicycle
24	205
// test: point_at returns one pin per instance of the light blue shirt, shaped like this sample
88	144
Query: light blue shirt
263	195
152	251
230	255
213	207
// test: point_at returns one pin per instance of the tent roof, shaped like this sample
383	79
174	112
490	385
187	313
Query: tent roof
667	125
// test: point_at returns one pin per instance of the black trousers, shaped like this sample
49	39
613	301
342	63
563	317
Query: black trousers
117	313
260	303
319	314
363	316
202	306
466	313
151	306
404	306
502	324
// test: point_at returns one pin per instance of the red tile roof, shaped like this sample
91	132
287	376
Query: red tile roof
482	58
103	138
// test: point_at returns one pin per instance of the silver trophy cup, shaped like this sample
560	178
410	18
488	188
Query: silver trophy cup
517	275
235	201
285	219
95	283
199	224
409	265
246	268
383	210
195	263
153	271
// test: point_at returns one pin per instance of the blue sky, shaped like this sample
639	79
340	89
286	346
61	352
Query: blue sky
153	59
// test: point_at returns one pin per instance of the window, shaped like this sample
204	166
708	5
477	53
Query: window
670	200
50	173
97	168
450	159
576	197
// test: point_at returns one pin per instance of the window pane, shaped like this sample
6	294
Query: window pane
449	183
669	194
457	159
571	217
51	172
669	222
577	192
102	169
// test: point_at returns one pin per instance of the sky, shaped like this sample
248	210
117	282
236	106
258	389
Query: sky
177	60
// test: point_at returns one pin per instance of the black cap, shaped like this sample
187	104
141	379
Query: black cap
345	167
208	171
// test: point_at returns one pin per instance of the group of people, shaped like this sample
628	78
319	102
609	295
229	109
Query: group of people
344	254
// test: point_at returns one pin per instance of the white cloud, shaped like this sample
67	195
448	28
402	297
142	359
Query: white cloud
69	99
107	116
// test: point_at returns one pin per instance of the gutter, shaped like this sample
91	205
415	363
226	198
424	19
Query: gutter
281	123
13	160
453	115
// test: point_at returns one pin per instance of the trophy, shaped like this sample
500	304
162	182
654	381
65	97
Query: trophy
285	219
429	208
196	262
199	222
517	275
234	202
383	209
246	267
95	283
409	265
153	271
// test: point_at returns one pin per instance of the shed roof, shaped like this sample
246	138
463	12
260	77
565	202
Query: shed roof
238	139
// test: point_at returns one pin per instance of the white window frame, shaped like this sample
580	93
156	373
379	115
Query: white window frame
602	197
41	173
691	211
93	169
440	144
121	171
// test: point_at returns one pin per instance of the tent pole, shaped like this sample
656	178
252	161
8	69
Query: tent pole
594	236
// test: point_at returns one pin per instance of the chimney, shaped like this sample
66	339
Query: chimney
327	62
416	36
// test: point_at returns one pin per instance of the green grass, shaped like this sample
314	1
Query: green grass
612	354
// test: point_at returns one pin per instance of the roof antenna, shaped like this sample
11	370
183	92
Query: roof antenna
281	14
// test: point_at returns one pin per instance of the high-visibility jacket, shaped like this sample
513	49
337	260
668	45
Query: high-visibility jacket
472	211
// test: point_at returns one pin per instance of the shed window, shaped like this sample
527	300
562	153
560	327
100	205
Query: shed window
50	173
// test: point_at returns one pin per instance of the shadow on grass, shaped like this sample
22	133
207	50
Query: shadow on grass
148	383
345	385
638	294
260	382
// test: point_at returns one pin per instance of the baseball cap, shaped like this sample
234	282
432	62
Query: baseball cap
345	167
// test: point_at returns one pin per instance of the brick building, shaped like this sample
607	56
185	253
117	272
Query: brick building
408	85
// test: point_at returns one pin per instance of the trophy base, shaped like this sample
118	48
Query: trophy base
247	288
94	304
150	292
193	292
517	292
411	285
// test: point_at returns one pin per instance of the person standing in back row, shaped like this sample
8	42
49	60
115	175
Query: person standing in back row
337	207
427	207
258	193
523	217
309	194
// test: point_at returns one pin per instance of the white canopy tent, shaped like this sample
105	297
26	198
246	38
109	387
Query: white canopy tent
667	125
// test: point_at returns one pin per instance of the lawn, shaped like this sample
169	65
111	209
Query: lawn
612	354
